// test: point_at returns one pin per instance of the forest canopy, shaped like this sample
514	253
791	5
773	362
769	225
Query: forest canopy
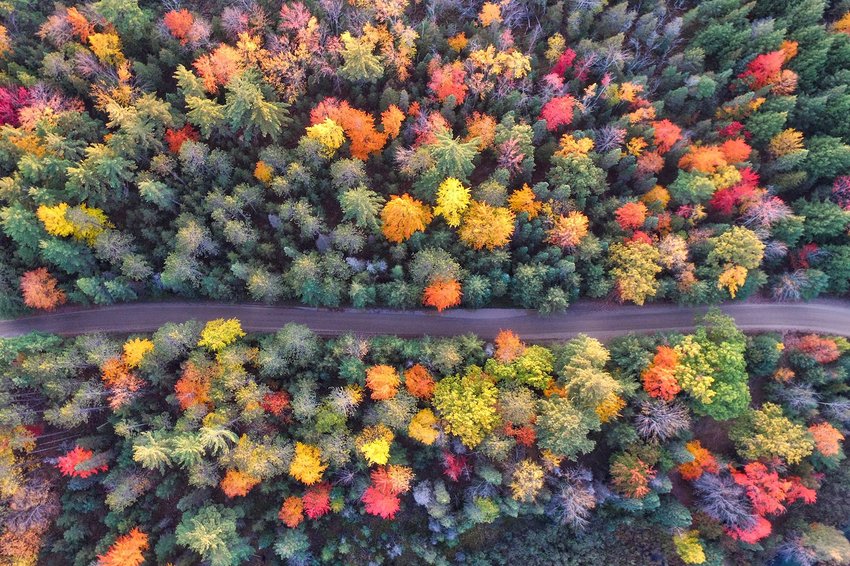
313	152
199	443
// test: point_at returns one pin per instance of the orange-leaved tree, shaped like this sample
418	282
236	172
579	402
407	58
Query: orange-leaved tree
217	68
383	381
237	483
659	379
524	200
442	294
666	135
704	158
419	382
402	216
179	23
703	462
291	512
631	475
736	150
391	120
827	439
126	550
359	126
120	381
631	215
508	346
568	231
40	290
193	387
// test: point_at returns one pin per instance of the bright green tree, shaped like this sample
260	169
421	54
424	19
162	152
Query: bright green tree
468	405
767	433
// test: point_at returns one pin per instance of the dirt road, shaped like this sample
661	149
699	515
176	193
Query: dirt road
595	319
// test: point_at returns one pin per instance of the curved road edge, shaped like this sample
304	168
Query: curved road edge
595	319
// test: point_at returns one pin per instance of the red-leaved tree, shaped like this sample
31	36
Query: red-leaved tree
558	112
79	463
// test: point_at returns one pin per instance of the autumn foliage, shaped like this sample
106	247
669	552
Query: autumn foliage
820	348
568	231
276	402
442	294
736	150
631	215
127	550
486	226
317	501
419	382
827	439
381	503
175	138
121	382
402	216
78	463
359	126
703	462
40	290
764	70
307	466
666	135
705	159
558	112
217	68
448	80
179	23
508	346
391	120
237	484
631	475
291	511
768	492
382	381
193	387
659	379
381	498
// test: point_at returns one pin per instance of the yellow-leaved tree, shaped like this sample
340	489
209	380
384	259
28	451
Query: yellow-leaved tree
635	266
486	226
329	134
452	201
106	47
526	481
374	443
568	231
423	427
524	200
219	333
81	222
135	351
307	465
